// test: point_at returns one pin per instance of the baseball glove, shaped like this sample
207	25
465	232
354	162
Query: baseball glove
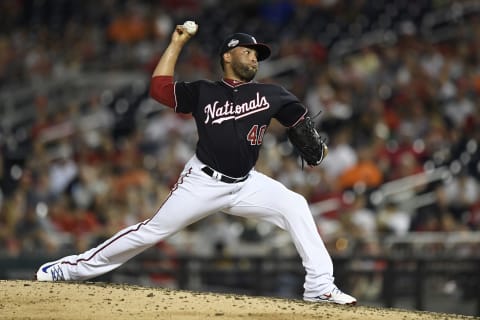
305	138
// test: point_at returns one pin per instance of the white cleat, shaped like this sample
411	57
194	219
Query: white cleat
335	296
50	271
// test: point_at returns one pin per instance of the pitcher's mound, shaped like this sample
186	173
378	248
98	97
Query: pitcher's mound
41	300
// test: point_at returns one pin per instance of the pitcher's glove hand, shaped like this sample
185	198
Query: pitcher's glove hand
305	138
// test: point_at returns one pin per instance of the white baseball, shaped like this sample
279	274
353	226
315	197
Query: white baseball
190	26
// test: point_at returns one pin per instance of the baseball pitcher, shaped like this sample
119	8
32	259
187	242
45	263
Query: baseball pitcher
232	115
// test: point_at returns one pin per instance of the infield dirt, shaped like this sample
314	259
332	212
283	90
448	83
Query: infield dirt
40	300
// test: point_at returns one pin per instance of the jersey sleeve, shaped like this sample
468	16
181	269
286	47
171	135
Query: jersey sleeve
291	111
161	89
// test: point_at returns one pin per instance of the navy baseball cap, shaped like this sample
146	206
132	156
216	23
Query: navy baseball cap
245	40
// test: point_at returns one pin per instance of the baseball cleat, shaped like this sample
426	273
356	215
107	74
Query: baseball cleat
50	271
335	296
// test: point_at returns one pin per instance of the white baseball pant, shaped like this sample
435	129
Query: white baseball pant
197	195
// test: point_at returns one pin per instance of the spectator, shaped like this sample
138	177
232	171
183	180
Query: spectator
461	107
33	238
365	173
62	171
128	27
392	219
358	220
341	154
461	194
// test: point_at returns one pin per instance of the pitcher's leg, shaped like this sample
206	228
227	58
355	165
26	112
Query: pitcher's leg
110	254
190	200
129	242
268	200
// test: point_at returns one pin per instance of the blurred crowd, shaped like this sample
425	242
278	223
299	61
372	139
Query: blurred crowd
389	111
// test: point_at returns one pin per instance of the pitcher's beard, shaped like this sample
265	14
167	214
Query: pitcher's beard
244	72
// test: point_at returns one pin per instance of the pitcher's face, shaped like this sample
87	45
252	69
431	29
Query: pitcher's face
244	63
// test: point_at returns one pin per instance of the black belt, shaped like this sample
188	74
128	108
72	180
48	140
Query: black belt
216	175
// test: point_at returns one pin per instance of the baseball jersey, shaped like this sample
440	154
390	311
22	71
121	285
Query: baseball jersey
232	119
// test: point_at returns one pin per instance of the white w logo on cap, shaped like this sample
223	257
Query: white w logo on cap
232	43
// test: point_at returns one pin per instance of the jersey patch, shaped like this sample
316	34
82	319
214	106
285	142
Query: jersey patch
216	113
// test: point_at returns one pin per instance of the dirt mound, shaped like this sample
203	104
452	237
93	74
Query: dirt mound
40	300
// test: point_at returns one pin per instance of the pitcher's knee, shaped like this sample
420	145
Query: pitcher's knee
297	202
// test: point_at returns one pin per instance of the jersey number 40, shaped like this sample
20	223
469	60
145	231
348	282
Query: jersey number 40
255	135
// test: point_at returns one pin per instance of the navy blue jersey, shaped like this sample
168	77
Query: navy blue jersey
232	120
